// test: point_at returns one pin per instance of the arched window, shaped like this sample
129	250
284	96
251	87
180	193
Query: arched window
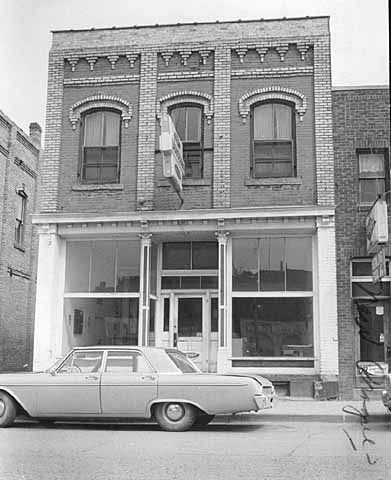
273	140
188	123
101	147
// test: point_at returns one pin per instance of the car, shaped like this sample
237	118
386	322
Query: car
386	394
123	382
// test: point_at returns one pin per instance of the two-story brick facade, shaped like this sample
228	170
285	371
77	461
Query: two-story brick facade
361	123
19	163
241	268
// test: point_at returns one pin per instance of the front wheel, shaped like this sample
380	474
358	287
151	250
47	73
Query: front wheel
7	410
175	417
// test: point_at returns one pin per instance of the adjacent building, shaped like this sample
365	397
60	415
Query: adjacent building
361	117
239	266
19	163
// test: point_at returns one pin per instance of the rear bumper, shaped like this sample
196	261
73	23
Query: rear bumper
264	401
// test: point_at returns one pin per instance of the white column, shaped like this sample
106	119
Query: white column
222	352
48	326
145	266
327	299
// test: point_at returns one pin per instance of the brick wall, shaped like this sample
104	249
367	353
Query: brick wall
19	162
360	120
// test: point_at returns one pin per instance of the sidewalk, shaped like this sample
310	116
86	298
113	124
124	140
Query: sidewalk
289	409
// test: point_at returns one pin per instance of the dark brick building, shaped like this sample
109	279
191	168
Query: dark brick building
361	125
239	267
19	162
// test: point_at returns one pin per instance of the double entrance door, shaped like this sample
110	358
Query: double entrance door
191	325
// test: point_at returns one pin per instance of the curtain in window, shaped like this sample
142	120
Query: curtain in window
282	117
263	122
193	124
111	123
178	116
93	129
371	163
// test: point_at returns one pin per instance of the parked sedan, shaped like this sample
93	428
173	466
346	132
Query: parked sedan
386	394
130	382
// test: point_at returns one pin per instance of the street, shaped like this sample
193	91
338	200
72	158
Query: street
270	450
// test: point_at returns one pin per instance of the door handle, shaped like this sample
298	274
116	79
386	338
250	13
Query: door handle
148	377
91	377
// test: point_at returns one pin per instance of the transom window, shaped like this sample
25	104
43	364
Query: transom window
372	174
190	256
188	123
101	140
273	140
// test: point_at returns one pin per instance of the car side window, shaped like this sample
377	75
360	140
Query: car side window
82	362
126	361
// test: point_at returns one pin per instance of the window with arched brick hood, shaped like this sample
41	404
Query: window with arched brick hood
101	147
273	140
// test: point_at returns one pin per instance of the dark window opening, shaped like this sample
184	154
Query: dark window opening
373	179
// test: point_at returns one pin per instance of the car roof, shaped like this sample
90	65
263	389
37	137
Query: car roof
118	347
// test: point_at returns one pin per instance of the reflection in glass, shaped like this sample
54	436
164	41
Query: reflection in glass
245	264
189	317
272	327
298	251
77	267
128	269
272	271
103	266
204	255
176	255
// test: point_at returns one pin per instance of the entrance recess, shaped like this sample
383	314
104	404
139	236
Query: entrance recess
193	325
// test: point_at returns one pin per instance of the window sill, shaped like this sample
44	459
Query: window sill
19	247
187	182
97	187
255	182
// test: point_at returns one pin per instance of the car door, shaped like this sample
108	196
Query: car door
128	384
72	389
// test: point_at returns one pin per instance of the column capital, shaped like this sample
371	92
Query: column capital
222	236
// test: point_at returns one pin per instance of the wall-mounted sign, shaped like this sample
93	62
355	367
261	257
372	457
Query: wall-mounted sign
172	152
377	226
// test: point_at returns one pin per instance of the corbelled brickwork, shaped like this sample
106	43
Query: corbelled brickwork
361	118
19	162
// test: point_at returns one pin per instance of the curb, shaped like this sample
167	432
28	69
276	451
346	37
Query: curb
256	419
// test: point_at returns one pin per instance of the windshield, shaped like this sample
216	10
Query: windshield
182	362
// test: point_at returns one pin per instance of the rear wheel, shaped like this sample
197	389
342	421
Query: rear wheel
7	410
203	419
175	417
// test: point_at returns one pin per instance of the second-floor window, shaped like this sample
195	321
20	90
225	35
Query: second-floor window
188	123
21	201
272	138
101	141
372	174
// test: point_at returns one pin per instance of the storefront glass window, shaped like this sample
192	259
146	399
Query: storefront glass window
204	255
128	266
153	270
103	266
245	264
272	327
298	252
190	256
272	268
100	321
176	256
77	267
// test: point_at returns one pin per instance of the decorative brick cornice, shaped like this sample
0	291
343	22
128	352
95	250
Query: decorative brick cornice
113	60
100	101
241	52
23	165
91	61
272	93
132	57
186	96
167	56
73	61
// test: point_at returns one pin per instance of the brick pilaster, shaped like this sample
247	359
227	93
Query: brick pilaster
147	130
222	130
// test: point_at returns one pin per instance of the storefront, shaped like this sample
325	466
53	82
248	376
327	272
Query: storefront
244	289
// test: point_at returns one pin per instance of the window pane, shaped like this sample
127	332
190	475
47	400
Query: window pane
77	269
189	317
263	169
369	289
109	174
110	156
272	271
244	264
204	255
298	263
371	163
153	270
111	128
209	282
283	122
191	282
103	266
282	169
83	362
176	256
91	174
166	315
272	327
263	122
282	150
362	269
193	127
214	315
128	267
370	189
107	321
92	156
93	131
192	159
171	282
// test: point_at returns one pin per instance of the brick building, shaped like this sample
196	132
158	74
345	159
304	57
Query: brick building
239	267
19	162
361	122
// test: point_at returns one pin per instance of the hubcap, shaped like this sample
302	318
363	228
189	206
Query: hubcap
2	408
175	411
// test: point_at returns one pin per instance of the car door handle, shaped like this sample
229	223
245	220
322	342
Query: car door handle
91	377
148	377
